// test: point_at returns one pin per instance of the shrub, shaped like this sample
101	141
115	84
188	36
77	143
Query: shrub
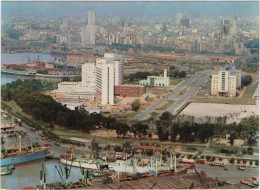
231	160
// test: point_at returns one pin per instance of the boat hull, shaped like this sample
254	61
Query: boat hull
80	164
41	154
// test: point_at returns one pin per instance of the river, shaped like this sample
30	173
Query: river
21	59
26	175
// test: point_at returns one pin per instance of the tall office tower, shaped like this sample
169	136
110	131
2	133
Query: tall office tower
225	27
88	33
178	18
108	74
185	22
91	17
223	84
233	27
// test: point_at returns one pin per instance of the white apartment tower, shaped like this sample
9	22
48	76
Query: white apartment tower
89	77
223	84
108	74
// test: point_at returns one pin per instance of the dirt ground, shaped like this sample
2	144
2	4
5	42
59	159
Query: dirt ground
234	113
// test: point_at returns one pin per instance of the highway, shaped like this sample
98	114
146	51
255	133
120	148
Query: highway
179	94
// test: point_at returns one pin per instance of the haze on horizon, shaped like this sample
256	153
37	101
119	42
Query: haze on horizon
68	9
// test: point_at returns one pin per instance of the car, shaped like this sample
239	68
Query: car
57	144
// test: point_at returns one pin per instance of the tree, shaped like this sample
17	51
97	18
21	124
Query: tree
149	135
182	74
65	79
121	129
135	105
174	131
232	138
166	116
118	148
246	80
139	129
163	129
77	78
208	158
177	155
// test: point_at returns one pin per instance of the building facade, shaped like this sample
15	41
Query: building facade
223	84
156	80
108	74
130	90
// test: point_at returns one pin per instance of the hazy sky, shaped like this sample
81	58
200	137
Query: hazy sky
130	8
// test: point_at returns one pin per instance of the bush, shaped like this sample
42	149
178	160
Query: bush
118	149
231	160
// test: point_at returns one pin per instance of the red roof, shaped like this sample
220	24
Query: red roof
150	147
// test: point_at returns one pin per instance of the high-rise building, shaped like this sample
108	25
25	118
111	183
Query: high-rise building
88	33
108	74
185	22
223	84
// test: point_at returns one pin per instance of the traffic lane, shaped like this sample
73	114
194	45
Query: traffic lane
178	88
232	175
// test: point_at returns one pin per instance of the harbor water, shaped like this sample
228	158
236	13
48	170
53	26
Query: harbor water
25	175
23	57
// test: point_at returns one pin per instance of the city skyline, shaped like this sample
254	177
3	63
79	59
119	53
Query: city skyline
129	9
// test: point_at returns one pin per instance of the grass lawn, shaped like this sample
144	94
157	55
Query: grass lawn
250	91
175	81
165	106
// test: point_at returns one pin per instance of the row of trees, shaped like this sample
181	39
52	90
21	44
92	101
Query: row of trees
190	131
43	107
140	76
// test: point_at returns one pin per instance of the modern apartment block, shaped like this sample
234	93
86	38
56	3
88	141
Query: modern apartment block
108	74
85	89
98	78
238	74
223	84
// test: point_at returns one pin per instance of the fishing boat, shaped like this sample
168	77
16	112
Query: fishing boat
17	152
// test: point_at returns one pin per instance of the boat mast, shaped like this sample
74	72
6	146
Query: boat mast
20	144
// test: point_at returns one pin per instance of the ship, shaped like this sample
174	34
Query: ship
16	153
25	73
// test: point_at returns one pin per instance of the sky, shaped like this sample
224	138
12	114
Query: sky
57	9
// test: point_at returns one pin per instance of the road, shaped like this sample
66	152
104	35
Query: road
179	94
54	149
232	175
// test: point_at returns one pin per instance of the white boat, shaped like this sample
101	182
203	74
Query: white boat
92	164
132	166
